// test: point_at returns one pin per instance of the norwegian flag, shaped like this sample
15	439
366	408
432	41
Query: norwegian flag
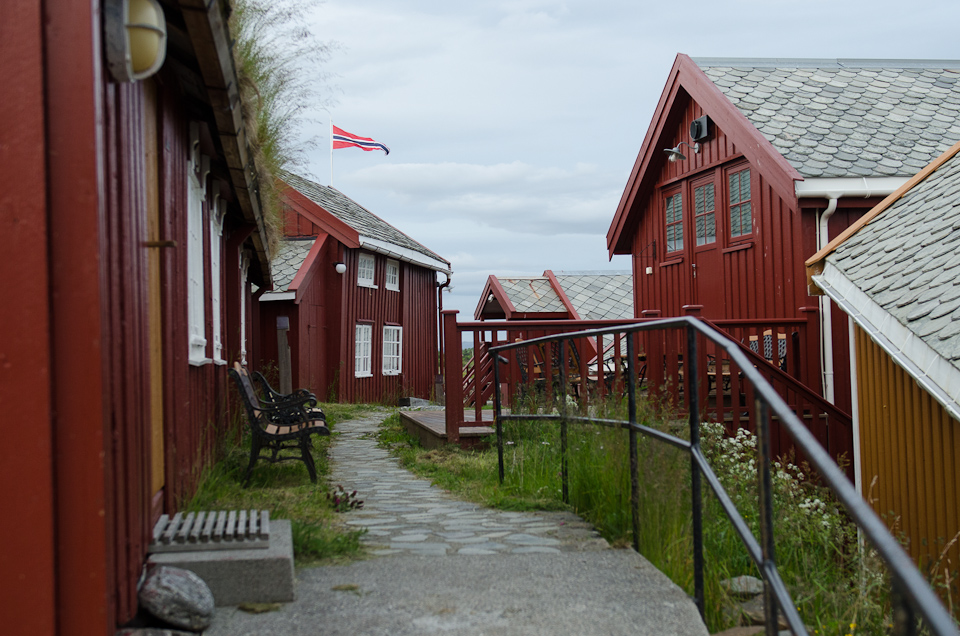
343	139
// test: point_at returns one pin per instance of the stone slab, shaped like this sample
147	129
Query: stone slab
243	576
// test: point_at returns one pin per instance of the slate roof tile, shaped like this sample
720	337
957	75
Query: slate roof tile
366	223
841	97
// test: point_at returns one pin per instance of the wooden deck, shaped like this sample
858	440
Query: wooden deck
430	427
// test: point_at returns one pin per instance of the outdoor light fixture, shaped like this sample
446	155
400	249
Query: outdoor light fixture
674	154
135	33
340	267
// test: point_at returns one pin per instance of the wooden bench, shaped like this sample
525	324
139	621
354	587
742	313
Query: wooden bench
279	423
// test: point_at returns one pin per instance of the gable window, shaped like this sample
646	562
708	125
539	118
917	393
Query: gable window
365	270
704	217
362	351
741	216
674	221
392	281
392	350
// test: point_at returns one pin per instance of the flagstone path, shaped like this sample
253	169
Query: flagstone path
404	514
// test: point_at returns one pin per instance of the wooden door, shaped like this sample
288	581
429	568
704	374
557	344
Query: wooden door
707	263
154	307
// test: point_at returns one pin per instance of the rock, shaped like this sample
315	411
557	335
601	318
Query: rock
151	631
753	613
742	586
178	597
741	631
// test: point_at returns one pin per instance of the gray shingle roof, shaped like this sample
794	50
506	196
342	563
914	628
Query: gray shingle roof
907	260
595	296
532	294
287	261
366	223
841	118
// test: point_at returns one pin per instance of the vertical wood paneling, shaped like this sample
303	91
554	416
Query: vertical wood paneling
29	558
414	308
909	443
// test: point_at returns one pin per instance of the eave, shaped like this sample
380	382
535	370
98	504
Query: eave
933	372
209	35
313	212
687	80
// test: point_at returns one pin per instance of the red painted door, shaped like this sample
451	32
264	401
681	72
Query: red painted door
707	265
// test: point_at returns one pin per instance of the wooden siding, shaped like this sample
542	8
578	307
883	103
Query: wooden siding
414	308
26	399
909	457
761	277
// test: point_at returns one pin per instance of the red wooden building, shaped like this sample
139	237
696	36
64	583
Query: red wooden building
355	301
132	230
749	165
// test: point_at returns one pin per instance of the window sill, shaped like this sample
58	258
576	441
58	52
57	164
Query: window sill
363	375
367	285
675	261
394	289
200	362
736	248
391	373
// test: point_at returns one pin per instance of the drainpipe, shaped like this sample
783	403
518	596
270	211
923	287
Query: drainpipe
826	310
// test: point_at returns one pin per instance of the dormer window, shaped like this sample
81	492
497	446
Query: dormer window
392	279
365	269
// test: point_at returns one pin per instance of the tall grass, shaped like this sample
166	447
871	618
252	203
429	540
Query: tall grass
285	490
279	66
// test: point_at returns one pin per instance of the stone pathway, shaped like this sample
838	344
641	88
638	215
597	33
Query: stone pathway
404	514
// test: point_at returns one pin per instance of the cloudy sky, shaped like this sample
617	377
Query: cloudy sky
513	124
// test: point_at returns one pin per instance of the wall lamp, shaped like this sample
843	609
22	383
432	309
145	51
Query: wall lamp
135	34
674	154
340	267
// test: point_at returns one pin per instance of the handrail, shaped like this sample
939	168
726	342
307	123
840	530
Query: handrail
911	591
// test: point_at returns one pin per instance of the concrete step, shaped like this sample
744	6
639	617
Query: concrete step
242	576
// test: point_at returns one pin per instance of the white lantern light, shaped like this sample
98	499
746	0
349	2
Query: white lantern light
135	32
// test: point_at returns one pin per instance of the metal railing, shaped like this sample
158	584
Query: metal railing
911	597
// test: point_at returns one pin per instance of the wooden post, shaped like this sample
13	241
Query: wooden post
452	375
283	355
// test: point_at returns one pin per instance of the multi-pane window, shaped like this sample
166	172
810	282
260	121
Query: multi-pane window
741	217
365	270
362	350
674	220
393	276
705	219
392	350
196	196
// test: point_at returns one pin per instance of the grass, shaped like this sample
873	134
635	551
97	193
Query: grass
286	491
838	588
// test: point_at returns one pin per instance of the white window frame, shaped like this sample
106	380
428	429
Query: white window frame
197	168
366	268
219	210
392	350
244	269
392	277
363	350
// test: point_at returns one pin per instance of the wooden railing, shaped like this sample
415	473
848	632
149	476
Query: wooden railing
595	367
